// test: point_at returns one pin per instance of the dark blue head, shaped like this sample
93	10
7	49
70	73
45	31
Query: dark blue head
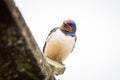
72	24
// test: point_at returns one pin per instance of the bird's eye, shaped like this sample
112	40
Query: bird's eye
65	24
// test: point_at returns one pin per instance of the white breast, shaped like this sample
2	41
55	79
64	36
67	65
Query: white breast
58	46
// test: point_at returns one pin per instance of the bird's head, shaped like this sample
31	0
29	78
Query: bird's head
68	26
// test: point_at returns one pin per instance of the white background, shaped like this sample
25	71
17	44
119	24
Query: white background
97	52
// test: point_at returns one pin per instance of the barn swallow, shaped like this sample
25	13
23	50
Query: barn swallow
61	41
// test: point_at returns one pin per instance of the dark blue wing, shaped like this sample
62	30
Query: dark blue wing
53	30
75	42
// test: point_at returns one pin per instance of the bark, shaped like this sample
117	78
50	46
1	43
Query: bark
20	56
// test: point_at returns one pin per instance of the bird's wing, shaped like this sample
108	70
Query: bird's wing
75	37
52	31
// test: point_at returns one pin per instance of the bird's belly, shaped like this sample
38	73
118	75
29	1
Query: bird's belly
59	46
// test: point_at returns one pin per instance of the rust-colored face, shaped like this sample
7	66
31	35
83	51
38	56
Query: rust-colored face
66	27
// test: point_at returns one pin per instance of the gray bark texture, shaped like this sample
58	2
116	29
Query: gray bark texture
20	56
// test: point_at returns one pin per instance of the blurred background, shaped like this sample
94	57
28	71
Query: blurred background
97	52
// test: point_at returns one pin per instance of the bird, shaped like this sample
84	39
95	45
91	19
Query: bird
61	41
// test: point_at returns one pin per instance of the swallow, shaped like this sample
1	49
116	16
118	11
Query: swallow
60	41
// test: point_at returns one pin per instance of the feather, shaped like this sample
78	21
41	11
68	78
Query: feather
52	31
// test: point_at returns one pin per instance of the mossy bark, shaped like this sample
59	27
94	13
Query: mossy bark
20	57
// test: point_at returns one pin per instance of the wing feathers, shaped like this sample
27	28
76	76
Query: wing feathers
52	31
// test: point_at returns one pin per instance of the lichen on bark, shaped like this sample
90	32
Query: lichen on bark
20	57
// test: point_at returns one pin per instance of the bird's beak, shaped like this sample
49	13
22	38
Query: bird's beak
66	27
65	24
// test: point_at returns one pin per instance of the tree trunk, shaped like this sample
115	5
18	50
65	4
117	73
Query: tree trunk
20	57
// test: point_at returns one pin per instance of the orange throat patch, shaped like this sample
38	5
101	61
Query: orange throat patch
66	28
